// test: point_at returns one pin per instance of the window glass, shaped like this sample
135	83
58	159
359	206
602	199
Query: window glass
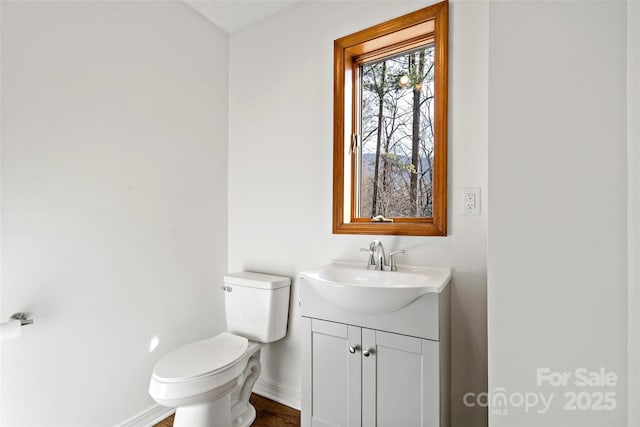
396	133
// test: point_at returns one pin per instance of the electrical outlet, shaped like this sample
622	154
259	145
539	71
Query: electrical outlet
471	201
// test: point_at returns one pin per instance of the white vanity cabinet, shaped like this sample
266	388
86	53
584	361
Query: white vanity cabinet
384	370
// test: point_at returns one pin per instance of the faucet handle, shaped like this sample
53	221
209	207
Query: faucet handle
371	264
392	260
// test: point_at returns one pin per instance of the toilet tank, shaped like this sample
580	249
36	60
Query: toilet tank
257	305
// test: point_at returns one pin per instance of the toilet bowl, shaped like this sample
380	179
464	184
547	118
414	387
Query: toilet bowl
209	382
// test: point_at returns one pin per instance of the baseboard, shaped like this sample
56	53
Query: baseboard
278	392
149	417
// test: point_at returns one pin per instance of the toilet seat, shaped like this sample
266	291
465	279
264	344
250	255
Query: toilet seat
201	358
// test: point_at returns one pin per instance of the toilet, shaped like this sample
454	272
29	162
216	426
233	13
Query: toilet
209	382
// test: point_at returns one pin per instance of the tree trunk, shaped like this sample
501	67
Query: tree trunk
415	132
376	169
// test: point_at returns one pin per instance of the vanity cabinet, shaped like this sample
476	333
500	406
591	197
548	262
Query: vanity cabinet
359	372
365	377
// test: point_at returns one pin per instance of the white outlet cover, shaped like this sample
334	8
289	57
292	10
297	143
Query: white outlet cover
468	194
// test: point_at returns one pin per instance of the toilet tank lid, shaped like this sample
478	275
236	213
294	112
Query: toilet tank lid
257	280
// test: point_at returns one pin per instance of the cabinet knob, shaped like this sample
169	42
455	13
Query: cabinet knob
353	349
368	352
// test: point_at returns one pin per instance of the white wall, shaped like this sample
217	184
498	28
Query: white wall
557	264
633	144
114	206
280	170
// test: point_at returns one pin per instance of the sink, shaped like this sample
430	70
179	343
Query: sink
351	286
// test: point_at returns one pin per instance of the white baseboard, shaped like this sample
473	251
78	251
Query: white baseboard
278	392
149	417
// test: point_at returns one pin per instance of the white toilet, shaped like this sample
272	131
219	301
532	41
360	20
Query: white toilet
210	381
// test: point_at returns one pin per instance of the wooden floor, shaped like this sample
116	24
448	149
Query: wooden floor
269	414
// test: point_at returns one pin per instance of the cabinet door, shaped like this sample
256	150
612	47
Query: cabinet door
400	380
331	383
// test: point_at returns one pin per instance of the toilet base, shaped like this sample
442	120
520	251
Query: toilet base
207	414
247	418
213	414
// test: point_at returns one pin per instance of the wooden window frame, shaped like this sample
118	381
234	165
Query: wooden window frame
403	33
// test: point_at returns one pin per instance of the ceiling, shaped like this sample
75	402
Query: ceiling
233	15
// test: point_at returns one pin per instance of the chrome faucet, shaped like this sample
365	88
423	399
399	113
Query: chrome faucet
378	259
378	251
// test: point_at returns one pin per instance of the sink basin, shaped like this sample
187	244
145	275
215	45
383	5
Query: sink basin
351	286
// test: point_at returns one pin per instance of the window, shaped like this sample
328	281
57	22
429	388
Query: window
390	127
